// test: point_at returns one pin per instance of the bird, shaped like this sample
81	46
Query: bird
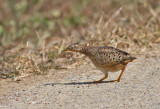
105	58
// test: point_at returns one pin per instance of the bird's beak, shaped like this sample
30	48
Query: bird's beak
67	49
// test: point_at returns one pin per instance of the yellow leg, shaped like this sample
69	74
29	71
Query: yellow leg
99	81
118	80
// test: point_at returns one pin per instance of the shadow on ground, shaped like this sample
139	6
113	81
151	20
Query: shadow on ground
76	83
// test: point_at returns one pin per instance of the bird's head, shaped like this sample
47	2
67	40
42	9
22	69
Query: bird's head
75	47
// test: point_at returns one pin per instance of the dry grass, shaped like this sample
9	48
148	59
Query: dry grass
132	26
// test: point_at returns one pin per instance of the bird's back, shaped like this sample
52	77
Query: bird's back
106	55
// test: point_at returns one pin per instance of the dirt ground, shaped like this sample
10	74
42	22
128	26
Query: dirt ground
73	88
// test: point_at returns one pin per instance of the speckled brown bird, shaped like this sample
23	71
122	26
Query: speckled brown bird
105	58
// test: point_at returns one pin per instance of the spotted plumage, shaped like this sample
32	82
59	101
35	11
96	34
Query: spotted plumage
105	58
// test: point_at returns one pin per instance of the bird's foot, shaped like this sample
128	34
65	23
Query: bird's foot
97	81
115	80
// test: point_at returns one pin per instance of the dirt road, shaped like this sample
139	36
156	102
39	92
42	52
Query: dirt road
139	88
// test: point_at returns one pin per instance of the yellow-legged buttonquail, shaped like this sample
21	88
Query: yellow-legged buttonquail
105	58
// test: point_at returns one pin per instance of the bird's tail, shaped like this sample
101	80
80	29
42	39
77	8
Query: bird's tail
132	58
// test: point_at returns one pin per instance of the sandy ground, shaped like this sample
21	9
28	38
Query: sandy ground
139	88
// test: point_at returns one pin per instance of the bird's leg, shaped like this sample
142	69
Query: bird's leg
118	80
99	81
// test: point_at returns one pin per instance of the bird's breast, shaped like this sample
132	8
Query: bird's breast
111	68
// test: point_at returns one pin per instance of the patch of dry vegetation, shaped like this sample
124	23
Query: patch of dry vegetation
45	28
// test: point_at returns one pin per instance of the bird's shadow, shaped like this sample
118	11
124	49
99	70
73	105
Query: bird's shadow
76	83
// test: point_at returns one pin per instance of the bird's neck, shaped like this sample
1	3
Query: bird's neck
82	50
